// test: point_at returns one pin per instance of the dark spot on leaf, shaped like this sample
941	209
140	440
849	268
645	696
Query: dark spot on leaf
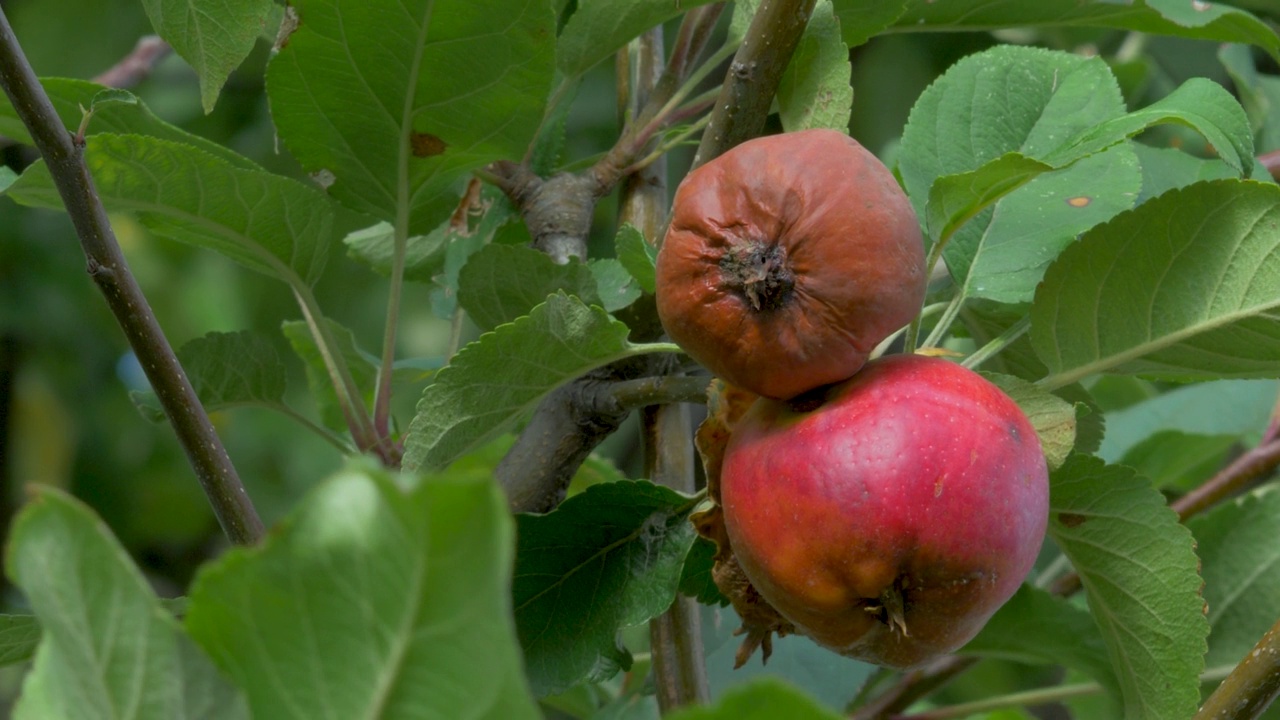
1071	520
1079	201
426	144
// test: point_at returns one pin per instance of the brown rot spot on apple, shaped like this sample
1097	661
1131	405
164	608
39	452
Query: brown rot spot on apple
1071	520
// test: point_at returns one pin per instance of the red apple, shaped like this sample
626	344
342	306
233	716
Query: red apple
889	516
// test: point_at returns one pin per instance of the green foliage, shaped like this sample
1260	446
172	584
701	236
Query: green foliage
860	20
760	700
375	95
214	37
605	559
494	381
1138	568
1225	407
268	223
227	370
1197	267
125	115
1204	20
500	283
110	649
1096	197
815	89
322	384
390	591
600	28
1240	586
1037	627
637	255
1053	418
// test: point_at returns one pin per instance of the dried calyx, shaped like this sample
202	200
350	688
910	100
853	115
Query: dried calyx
759	272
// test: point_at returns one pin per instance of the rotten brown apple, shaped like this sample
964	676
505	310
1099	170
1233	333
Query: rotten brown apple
788	259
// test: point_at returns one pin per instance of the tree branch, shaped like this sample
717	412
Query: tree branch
749	86
107	267
1251	687
1271	163
912	686
675	636
566	427
137	65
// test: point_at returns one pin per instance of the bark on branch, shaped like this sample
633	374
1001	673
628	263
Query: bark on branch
106	265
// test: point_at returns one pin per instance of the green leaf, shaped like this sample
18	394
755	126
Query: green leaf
1200	20
1177	460
381	596
1033	225
266	222
616	287
363	372
636	255
19	637
1183	287
1164	169
1241	586
492	382
607	558
602	27
1225	407
1259	94
696	580
375	246
7	178
815	89
399	102
763	699
860	20
1028	102
214	36
500	283
123	116
956	199
1198	103
492	226
1091	424
228	370
1022	99
110	649
1053	418
1138	567
1036	627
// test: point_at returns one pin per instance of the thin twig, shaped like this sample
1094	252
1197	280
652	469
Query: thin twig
107	267
1271	163
137	65
912	686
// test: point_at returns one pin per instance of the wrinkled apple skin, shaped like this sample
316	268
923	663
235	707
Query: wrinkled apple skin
788	259
915	474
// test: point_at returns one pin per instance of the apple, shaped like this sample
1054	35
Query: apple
889	516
